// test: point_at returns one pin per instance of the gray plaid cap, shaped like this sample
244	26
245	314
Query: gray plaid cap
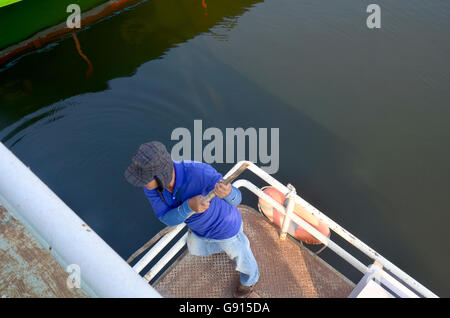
152	161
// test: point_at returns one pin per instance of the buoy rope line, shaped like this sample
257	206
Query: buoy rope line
324	246
77	44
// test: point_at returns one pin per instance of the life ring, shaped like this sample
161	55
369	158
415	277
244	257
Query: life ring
295	230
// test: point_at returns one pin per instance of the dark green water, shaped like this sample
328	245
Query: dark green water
363	114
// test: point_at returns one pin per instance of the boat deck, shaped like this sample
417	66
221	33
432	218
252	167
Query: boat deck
287	269
28	270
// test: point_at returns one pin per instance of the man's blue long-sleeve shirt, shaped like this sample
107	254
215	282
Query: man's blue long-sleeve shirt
179	214
220	221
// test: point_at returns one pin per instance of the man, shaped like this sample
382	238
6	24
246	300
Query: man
176	189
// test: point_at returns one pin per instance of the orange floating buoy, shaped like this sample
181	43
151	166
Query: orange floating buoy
295	230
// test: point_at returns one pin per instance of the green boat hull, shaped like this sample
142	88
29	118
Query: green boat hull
23	19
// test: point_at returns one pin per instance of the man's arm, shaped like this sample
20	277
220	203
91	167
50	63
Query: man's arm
235	197
230	194
168	216
177	215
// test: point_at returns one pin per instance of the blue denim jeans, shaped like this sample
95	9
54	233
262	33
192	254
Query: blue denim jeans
236	247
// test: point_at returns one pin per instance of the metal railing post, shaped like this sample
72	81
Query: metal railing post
290	204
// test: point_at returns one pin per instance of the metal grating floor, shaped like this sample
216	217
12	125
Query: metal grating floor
287	269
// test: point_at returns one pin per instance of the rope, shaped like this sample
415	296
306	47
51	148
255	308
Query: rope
205	6
77	44
323	247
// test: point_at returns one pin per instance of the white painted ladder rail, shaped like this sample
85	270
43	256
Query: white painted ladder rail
157	248
416	286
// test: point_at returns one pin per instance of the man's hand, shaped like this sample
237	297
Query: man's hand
221	190
197	204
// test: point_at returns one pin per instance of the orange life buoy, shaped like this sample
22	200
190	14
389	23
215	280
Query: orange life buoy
295	230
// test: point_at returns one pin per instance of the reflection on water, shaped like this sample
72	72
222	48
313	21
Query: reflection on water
362	115
12	91
205	6
77	44
133	31
117	46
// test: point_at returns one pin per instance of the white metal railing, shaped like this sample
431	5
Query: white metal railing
151	254
293	197
167	257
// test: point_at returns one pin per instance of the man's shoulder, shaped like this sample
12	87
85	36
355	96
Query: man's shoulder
150	193
196	167
203	173
146	191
